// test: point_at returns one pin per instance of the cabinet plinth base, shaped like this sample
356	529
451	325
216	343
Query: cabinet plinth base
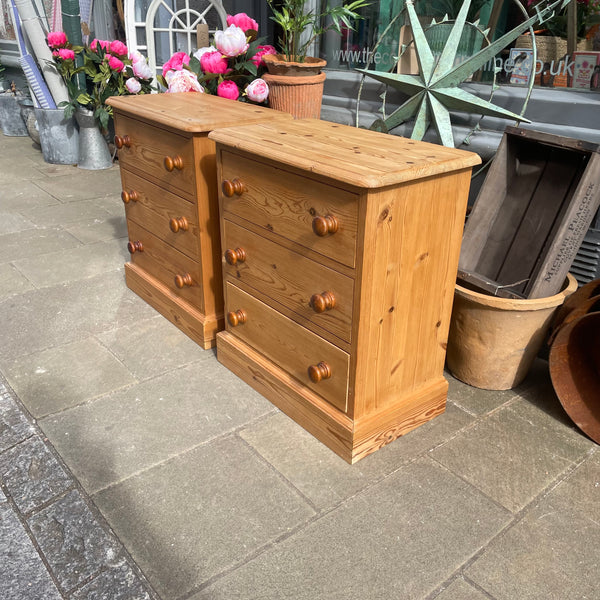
199	327
351	440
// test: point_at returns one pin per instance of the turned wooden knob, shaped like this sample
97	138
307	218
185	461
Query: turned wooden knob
131	195
134	247
121	141
182	280
322	302
325	225
236	317
173	162
233	187
178	223
319	372
235	256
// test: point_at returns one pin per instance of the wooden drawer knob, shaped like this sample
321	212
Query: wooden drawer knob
173	162
235	256
322	302
122	141
236	318
130	196
319	372
233	187
178	224
182	280
323	226
134	247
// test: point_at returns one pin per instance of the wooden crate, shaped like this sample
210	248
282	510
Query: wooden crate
531	215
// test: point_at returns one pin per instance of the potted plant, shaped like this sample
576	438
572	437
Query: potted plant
296	80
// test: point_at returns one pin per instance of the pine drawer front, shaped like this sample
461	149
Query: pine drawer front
169	266
318	216
169	217
314	291
167	157
294	348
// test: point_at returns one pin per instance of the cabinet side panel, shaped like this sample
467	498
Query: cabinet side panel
408	271
208	224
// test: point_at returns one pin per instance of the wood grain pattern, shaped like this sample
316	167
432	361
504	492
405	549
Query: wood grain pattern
290	279
192	112
154	210
291	346
286	204
342	153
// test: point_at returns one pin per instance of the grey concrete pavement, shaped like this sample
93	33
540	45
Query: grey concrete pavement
134	466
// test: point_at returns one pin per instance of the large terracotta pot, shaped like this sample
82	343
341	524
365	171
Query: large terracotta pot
493	341
295	87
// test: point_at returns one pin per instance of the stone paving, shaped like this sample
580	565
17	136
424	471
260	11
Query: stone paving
134	465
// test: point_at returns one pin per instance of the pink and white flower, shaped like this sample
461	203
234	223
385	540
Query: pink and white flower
141	69
202	51
176	62
133	85
228	89
257	59
257	90
183	81
232	41
243	21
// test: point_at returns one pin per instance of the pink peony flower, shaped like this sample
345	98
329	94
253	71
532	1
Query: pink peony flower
183	81
261	51
103	44
229	90
201	51
133	85
243	21
232	41
141	69
118	48
176	62
115	64
57	39
257	90
213	62
66	54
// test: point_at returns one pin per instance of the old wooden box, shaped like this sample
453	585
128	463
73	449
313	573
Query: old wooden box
531	215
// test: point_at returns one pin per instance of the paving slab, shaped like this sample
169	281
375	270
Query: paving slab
84	185
58	378
136	347
17	168
111	438
25	195
90	231
323	476
513	454
64	214
33	242
12	282
60	314
32	474
553	551
14	425
73	264
74	544
23	575
401	538
12	223
118	583
459	589
196	515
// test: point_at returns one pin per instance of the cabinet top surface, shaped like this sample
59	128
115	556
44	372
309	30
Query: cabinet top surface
192	112
359	157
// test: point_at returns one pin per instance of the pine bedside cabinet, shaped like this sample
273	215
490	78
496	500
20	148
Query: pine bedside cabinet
169	182
340	252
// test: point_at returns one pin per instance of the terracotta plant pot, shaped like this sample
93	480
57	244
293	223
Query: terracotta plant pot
493	341
295	87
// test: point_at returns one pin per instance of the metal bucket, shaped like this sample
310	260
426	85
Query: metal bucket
59	137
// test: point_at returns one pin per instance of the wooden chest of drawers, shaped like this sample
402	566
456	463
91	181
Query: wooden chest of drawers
169	182
340	250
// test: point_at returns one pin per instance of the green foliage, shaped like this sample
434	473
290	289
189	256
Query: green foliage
294	20
440	8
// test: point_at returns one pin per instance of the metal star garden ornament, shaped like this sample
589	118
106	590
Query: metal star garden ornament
435	90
